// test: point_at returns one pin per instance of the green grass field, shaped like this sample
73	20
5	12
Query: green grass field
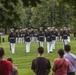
23	60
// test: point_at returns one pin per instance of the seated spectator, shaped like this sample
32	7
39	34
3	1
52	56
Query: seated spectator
41	65
61	65
14	69
5	66
72	58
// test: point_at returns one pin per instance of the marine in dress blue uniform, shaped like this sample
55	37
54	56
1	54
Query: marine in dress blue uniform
27	40
12	40
41	38
53	39
65	37
48	36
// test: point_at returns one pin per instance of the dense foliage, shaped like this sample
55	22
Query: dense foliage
37	13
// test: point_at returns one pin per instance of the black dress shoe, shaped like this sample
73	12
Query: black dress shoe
50	52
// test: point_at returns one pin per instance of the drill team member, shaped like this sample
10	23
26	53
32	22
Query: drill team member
49	41
41	38
27	40
12	41
65	37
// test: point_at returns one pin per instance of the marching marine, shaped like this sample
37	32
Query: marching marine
12	41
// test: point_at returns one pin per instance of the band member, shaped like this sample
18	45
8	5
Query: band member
41	38
12	41
27	40
49	41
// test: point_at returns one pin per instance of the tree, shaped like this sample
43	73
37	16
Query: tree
8	13
36	13
71	3
51	13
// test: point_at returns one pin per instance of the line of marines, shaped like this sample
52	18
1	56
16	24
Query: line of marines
49	35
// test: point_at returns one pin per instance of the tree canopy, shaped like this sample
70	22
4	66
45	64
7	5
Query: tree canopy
37	13
11	10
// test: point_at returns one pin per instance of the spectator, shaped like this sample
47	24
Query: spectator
5	66
41	65
61	65
72	58
14	69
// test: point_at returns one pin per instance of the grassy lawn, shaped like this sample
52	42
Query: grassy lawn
23	60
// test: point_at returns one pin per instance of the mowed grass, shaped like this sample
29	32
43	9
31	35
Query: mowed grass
23	60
